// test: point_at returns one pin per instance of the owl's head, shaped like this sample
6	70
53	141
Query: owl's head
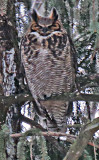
45	25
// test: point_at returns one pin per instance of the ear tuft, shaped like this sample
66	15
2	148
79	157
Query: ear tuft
54	14
34	15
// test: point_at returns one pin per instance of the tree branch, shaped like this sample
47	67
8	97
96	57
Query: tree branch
55	134
87	81
31	122
82	140
75	97
21	98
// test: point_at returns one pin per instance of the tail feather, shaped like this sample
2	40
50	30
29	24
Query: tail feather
56	114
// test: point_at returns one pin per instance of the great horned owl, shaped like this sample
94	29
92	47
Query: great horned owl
47	57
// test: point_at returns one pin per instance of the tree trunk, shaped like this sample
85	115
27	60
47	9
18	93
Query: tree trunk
9	70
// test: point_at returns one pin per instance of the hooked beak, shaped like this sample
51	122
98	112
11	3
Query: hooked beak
45	30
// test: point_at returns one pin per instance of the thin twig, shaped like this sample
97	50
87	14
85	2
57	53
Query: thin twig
55	134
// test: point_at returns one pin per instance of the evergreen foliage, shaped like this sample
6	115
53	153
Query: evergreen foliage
21	149
87	155
43	148
41	145
4	135
2	146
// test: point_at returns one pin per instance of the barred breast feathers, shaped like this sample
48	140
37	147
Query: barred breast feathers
43	50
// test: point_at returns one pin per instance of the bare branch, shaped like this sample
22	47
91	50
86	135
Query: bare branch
31	132
21	98
75	97
82	140
31	122
55	134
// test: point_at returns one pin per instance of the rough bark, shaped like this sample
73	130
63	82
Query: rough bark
8	70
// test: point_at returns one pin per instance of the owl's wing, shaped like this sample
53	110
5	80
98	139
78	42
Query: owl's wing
27	63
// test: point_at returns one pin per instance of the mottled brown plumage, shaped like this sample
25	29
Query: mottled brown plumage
47	58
